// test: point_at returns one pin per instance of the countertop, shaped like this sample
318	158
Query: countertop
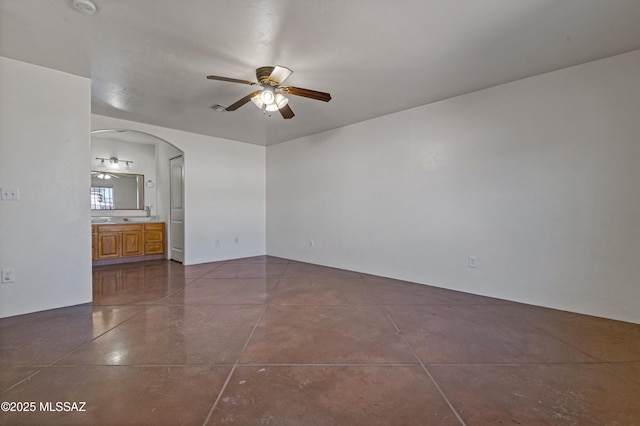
119	220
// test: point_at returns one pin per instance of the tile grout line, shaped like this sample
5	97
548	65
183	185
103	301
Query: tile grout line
143	305
620	373
93	339
23	380
554	337
52	363
228	379
433	380
320	364
424	367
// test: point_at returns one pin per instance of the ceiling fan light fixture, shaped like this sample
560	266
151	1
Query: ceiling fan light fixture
267	96
257	100
281	100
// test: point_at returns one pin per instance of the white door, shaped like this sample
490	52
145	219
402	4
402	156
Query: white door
177	209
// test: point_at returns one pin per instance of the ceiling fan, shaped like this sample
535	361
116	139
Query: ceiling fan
271	97
104	175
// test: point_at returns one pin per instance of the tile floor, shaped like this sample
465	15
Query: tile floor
277	342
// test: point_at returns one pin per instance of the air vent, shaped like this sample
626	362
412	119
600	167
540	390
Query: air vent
218	108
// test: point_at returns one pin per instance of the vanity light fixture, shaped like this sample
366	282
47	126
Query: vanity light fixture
114	162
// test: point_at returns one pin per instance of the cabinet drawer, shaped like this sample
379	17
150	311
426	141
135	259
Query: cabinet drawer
153	236
154	248
154	226
119	228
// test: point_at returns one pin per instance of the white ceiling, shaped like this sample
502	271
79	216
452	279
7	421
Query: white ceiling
148	59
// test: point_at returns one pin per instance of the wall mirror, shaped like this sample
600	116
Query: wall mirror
116	191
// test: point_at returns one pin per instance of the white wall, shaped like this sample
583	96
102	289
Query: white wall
144	163
44	147
538	178
224	192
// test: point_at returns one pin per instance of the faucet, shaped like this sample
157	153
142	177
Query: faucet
147	210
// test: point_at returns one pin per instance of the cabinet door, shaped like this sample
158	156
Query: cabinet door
94	254
132	244
109	245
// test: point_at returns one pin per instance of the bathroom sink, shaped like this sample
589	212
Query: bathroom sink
138	219
99	220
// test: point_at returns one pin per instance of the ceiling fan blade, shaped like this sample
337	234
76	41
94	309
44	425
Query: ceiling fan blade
307	93
280	74
286	112
242	101
231	80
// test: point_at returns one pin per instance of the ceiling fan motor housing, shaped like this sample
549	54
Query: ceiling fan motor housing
263	73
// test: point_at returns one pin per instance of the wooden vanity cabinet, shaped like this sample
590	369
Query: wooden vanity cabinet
118	243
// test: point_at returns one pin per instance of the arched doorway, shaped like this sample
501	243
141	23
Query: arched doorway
150	156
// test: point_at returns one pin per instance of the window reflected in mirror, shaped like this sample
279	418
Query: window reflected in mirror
116	191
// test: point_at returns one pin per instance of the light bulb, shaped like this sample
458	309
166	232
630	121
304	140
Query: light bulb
267	96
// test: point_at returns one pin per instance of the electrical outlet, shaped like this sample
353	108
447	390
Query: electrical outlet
8	276
10	194
312	243
473	262
237	240
217	243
